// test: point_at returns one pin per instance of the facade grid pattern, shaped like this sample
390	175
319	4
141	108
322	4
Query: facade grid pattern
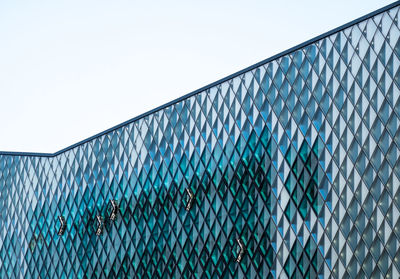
297	158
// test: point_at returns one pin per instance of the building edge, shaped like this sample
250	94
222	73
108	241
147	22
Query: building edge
204	88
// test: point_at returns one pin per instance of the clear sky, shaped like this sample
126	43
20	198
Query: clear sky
70	69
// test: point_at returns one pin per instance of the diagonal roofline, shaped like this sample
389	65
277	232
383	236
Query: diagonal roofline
204	88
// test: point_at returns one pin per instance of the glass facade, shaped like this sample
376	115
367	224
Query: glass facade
287	170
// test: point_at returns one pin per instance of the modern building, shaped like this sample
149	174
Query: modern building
287	169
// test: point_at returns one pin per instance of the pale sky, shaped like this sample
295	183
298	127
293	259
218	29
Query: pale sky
70	69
